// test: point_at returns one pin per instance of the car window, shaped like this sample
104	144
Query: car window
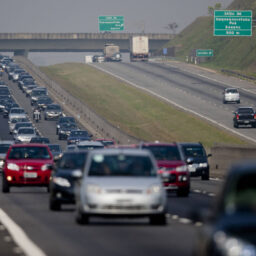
193	151
245	110
121	165
72	161
29	153
164	153
89	147
241	195
26	131
231	91
4	148
54	148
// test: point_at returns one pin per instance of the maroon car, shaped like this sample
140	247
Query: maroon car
172	167
27	165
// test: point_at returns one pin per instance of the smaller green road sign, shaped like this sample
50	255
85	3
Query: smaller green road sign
232	23
111	23
204	53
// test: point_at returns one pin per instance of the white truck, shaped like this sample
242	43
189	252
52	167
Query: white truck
112	52
139	48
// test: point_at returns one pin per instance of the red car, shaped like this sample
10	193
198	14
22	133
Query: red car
27	165
172	166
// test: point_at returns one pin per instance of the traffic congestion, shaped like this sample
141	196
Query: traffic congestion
101	178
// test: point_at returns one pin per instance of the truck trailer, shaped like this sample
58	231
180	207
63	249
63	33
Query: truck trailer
139	48
112	52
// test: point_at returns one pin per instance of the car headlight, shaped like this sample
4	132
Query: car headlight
45	167
61	131
13	167
61	182
203	165
154	189
182	168
232	246
95	189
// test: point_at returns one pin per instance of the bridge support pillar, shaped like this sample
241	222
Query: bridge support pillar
23	53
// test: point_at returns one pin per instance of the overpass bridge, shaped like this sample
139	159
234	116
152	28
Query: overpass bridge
23	43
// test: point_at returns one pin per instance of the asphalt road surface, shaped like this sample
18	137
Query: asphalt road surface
56	233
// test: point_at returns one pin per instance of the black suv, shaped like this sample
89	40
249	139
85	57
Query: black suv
200	166
244	116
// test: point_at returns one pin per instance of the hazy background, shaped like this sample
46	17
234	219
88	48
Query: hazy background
82	16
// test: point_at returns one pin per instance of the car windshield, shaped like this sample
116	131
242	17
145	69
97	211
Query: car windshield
67	120
231	91
71	161
40	140
54	148
246	110
121	165
68	126
45	100
26	131
4	148
241	195
193	151
164	153
78	133
107	142
17	111
29	153
4	91
38	93
18	125
16	120
53	107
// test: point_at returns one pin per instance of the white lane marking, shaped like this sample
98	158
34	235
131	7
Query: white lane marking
19	236
177	105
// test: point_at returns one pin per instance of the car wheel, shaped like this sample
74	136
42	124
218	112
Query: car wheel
45	118
158	219
238	102
82	218
224	102
54	205
205	176
183	192
5	186
56	131
60	138
235	125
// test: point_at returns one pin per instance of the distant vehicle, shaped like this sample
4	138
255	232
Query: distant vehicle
43	102
28	89
27	165
112	52
64	119
25	134
52	111
4	146
231	95
98	58
41	140
120	182
17	113
65	130
89	145
4	91
62	179
106	142
139	48
230	227
244	116
21	124
78	135
55	150
12	122
200	166
16	74
172	166
37	93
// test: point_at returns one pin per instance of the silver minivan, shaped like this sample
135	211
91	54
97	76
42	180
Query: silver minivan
231	95
120	183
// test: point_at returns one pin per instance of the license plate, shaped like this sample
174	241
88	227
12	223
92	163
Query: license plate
30	175
193	167
246	122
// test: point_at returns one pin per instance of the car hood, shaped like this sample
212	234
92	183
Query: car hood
170	164
123	182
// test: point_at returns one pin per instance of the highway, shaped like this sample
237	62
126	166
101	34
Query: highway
198	91
56	233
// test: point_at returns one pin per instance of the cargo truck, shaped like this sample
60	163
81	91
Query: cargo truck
139	48
112	52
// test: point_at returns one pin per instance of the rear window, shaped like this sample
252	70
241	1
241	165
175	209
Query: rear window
246	110
79	133
89	147
17	111
231	91
193	151
26	131
164	153
121	165
29	153
71	161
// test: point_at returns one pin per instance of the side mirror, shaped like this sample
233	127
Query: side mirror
190	160
77	174
209	155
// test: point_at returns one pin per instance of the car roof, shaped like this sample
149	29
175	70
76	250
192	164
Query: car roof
126	151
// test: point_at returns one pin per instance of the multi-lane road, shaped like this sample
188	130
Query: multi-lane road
56	233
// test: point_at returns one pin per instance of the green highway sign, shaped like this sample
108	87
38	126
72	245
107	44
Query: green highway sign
111	23
232	23
204	53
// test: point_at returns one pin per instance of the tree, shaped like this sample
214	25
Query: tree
172	26
212	8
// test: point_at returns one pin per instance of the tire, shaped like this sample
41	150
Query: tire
57	132
5	186
82	218
235	125
45	118
54	205
205	176
224	102
183	192
238	102
158	219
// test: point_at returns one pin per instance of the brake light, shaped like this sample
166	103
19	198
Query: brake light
254	116
237	117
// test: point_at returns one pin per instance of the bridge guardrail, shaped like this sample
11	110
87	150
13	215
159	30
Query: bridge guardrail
82	112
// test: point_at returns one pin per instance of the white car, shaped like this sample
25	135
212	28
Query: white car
17	113
231	95
25	134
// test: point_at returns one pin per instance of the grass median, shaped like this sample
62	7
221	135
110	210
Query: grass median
134	111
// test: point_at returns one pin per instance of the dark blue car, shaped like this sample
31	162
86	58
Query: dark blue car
78	135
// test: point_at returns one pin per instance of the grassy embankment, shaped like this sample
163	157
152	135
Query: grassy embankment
233	53
134	111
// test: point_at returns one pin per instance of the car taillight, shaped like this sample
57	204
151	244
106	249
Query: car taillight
254	116
237	117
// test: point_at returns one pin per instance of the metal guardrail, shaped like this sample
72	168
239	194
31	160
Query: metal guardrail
75	106
238	74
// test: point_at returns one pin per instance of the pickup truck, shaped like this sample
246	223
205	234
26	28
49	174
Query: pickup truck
244	116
